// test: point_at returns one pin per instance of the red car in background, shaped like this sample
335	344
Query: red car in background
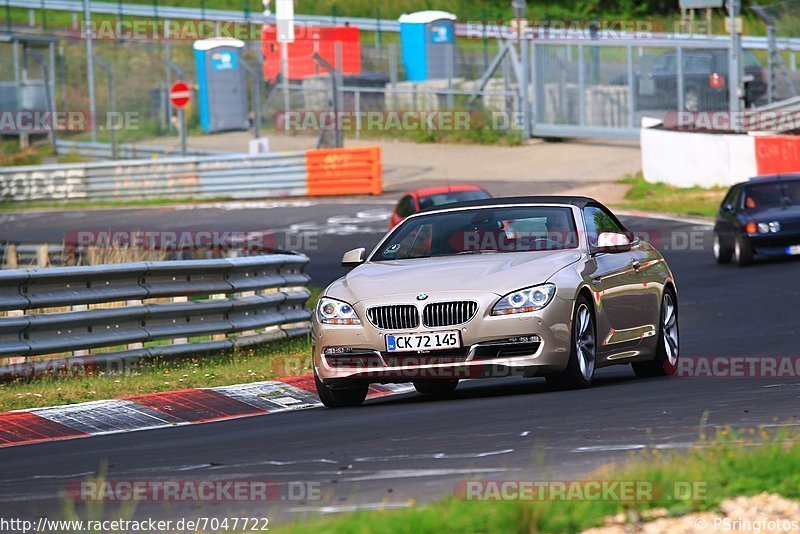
426	197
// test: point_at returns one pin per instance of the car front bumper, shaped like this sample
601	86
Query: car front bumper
530	344
770	245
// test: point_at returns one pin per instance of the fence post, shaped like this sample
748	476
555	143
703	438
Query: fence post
42	256
12	259
393	72
581	85
679	60
631	89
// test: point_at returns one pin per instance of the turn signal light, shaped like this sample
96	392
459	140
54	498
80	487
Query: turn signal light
751	228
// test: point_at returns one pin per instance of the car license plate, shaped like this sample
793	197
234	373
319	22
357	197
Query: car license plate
793	250
423	341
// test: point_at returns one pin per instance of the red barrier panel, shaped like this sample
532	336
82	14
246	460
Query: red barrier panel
344	171
777	154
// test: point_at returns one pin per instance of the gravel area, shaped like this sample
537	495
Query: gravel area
761	513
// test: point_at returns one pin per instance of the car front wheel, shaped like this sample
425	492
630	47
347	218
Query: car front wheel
742	252
340	397
580	369
722	253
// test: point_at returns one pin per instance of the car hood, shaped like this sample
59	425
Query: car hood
498	273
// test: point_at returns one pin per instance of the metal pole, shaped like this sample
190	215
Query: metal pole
167	59
535	101
679	67
182	113
772	50
48	87
285	77
87	19
393	71
734	72
111	108
334	101
338	93
448	69
581	86
525	93
51	66
254	74
631	89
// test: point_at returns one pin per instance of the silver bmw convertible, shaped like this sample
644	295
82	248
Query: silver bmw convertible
552	287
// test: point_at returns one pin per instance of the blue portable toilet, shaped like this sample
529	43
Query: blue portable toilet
221	84
426	39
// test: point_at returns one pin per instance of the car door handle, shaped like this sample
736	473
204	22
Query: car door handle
635	264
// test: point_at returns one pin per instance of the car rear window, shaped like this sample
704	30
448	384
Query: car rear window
448	198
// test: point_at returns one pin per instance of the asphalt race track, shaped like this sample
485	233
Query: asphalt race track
394	450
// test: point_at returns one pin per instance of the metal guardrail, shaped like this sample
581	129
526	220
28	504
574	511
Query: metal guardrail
241	298
366	24
230	176
126	151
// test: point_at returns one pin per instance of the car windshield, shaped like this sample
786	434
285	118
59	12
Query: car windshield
772	195
450	197
481	230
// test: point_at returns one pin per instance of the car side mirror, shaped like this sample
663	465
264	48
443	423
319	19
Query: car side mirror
354	258
612	243
727	208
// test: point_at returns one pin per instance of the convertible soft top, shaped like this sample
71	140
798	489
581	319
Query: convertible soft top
580	202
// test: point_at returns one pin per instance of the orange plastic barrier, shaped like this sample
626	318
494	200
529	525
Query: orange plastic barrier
777	154
344	171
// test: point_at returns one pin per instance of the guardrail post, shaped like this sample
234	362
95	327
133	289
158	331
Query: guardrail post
139	345
218	337
83	352
180	340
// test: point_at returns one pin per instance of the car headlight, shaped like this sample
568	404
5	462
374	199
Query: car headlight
332	311
525	300
769	227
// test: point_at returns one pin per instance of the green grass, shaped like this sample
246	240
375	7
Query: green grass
272	360
285	357
734	464
647	196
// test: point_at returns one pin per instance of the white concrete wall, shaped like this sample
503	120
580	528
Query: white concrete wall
686	159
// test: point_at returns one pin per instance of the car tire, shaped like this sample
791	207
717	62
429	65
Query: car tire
665	361
583	354
722	253
436	388
338	397
742	252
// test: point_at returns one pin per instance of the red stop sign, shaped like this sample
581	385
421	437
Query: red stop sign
180	94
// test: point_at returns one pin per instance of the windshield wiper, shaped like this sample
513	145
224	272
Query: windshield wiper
479	251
